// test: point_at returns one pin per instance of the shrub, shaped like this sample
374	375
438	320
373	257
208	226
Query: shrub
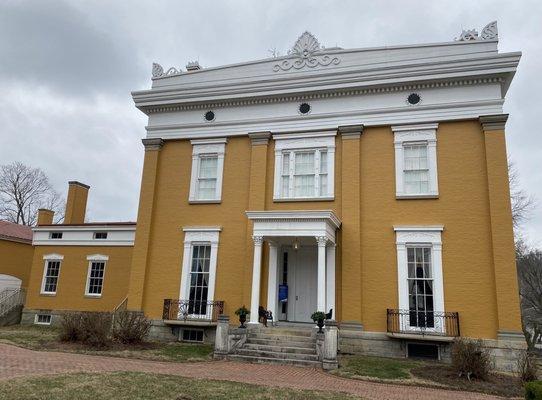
533	390
95	328
471	359
130	327
527	366
70	327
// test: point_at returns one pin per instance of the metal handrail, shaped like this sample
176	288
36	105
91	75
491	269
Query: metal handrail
429	323
192	310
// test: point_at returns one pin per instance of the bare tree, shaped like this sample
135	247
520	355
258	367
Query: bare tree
529	264
23	190
522	203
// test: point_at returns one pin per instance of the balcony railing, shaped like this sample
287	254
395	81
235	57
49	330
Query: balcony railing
192	310
429	323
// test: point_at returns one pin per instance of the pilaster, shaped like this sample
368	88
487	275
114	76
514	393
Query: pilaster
140	255
502	236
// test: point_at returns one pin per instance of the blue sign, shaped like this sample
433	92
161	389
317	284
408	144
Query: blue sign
283	293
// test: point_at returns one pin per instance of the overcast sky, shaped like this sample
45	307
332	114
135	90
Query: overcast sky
67	70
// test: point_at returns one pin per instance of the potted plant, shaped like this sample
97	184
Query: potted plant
319	318
242	312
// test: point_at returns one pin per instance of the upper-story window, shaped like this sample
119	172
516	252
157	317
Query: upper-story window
207	170
304	167
416	161
51	273
55	235
95	275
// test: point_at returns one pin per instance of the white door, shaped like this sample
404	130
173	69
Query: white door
305	284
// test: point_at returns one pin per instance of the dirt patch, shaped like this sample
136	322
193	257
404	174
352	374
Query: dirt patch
496	384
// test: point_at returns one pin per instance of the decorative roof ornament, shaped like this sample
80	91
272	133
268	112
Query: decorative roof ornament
490	32
307	52
158	71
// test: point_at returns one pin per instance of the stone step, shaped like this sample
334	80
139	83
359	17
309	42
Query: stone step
285	338
281	361
279	355
281	342
286	332
284	349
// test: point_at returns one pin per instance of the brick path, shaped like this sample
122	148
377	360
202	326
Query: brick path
18	362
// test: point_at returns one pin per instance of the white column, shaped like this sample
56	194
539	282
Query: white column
272	286
256	273
321	283
330	280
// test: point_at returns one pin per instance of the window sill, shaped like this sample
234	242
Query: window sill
47	294
93	296
416	196
305	199
204	201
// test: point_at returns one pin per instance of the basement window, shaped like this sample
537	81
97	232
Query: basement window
43	319
100	235
56	235
422	350
193	335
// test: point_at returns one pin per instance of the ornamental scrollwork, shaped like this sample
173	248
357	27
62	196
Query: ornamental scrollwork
490	32
307	52
158	71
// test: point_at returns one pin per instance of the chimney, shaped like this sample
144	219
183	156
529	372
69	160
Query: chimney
193	66
76	204
45	216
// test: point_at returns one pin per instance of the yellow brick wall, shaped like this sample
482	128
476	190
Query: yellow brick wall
70	293
16	260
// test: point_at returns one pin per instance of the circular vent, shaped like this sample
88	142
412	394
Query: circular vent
209	116
304	108
413	98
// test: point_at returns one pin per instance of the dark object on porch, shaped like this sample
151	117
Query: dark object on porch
192	310
264	316
329	315
424	323
422	350
242	312
319	318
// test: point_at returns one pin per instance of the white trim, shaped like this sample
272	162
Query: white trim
36	317
410	236
201	235
207	147
305	141
83	235
47	258
91	259
412	134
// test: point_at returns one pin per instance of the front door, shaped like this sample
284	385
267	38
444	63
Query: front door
302	283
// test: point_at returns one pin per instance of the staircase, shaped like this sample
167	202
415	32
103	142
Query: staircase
11	306
279	346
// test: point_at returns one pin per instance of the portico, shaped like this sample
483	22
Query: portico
311	236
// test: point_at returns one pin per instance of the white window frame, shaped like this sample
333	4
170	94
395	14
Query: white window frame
405	135
47	258
200	149
199	236
91	259
303	142
36	319
420	236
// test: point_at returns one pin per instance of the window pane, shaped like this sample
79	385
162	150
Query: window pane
286	164
206	189
323	185
208	167
199	279
323	162
304	163
304	186
420	287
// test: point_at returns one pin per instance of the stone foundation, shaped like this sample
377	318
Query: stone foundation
162	332
29	316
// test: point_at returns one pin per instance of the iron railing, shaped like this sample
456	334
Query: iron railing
11	298
192	310
430	323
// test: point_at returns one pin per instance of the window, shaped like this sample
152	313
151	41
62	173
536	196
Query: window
43	319
199	279
192	335
415	161
207	170
304	168
56	235
421	289
100	235
199	270
95	275
51	273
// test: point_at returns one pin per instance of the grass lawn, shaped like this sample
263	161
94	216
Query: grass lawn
139	386
375	367
46	339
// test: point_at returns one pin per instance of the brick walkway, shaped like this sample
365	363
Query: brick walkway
17	362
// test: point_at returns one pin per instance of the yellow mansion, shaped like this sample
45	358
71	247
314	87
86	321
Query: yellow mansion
369	183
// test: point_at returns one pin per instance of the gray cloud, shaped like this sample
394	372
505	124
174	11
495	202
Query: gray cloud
67	68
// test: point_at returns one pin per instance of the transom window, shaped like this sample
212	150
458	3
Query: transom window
95	278
304	170
415	168
207	170
50	278
199	278
420	287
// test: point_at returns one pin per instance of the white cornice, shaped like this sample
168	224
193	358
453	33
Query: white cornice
305	215
418	228
202	229
84	228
